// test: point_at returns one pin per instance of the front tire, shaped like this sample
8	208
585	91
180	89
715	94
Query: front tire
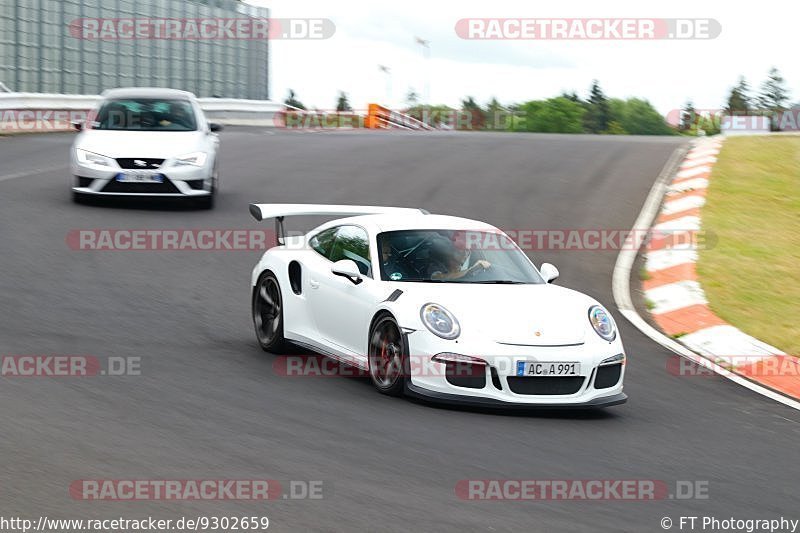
387	356
268	313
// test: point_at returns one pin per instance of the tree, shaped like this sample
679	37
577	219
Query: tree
291	100
342	103
497	115
597	115
773	97
774	94
739	100
473	113
688	116
556	115
638	117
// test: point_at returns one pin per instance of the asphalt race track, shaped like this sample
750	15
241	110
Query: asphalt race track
208	404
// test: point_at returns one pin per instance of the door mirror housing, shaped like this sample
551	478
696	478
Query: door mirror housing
347	268
77	125
549	272
214	127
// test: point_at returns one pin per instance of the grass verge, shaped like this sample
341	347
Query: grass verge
752	276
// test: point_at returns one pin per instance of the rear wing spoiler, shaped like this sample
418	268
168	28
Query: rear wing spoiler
280	211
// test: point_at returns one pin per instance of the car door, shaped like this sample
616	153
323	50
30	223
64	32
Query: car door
340	307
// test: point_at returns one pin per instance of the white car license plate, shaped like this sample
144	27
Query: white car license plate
556	369
140	177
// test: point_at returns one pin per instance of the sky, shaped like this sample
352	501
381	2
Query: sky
665	72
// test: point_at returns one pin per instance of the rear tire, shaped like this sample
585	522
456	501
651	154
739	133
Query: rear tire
386	356
268	313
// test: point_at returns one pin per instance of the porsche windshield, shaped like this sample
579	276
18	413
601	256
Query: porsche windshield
146	114
453	256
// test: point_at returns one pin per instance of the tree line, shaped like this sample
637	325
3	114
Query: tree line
597	113
771	101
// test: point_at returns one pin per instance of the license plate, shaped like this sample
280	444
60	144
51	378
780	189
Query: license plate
140	177
556	369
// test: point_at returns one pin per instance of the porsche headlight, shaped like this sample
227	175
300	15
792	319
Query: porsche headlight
440	321
90	158
602	323
195	159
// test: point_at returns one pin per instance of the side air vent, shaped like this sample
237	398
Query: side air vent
394	296
296	277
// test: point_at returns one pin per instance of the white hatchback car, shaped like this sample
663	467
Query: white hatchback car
147	142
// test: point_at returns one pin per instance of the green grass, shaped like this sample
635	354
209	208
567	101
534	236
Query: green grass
752	275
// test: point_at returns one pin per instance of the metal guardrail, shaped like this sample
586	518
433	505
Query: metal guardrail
229	111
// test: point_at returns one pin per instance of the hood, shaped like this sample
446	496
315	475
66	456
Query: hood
154	144
529	315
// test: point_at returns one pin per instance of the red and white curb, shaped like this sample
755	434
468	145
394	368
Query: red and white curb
674	296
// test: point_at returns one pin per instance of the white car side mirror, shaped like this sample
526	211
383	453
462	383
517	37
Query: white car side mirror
549	272
347	268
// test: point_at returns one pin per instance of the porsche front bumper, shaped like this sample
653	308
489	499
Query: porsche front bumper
498	383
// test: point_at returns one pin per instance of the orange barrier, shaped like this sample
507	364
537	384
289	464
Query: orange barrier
379	117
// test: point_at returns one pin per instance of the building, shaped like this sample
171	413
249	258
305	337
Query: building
45	47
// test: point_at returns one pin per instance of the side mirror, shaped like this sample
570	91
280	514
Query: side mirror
77	124
347	268
549	272
214	127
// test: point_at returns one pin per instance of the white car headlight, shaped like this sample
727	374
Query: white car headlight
602	323
90	158
440	321
195	159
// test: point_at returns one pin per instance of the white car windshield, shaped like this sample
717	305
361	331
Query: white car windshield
453	256
146	114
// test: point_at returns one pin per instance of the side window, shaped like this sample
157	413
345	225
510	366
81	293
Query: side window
322	242
352	243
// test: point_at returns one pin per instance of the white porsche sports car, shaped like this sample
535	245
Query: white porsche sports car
439	307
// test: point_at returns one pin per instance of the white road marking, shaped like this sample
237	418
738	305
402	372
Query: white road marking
32	172
674	296
683	204
693	172
728	340
662	259
683	224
